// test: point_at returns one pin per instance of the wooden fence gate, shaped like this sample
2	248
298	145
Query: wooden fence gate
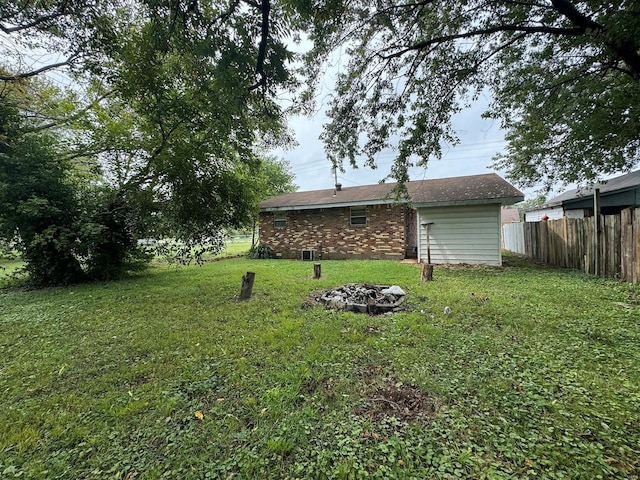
610	249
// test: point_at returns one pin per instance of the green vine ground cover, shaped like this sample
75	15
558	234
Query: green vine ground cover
535	373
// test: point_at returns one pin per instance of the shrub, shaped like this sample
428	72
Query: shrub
65	232
8	250
261	251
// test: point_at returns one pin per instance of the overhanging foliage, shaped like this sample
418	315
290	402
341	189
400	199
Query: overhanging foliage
564	77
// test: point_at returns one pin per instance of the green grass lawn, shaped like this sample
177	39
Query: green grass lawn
235	247
8	268
534	374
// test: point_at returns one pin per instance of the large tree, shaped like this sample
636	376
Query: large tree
37	205
69	225
564	77
176	102
198	77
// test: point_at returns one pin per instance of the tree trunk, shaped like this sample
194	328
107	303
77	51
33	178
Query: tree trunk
247	286
317	270
427	272
253	234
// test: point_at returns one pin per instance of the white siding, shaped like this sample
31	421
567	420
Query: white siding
554	213
574	213
461	234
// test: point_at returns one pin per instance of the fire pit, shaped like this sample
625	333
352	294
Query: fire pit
364	298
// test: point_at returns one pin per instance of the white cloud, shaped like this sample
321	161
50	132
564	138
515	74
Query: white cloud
480	140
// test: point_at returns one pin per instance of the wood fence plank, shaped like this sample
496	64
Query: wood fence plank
589	264
626	238
635	245
543	238
615	241
572	243
567	242
605	248
627	260
578	233
601	270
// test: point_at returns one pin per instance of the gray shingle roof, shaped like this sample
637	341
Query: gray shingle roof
485	188
630	180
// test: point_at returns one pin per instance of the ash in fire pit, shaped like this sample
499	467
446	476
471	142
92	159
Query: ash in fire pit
363	298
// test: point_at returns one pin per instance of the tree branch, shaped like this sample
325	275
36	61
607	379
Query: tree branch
253	4
224	16
625	48
87	153
61	10
262	49
409	6
529	4
499	48
34	23
567	9
54	122
33	73
486	31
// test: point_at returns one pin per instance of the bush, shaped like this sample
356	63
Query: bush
67	233
8	250
261	251
38	206
109	236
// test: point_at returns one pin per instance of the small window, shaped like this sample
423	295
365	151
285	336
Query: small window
358	216
280	221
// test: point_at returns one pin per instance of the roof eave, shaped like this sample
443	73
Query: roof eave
480	201
606	193
360	203
543	207
477	201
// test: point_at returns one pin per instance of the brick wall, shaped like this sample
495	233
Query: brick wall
329	231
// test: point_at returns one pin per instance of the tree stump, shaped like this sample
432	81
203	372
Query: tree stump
317	270
247	286
427	272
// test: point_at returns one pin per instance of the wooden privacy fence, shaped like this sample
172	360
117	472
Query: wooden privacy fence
614	251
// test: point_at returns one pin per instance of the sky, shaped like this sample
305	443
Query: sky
480	140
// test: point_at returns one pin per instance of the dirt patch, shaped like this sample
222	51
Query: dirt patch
372	329
313	300
399	400
369	372
312	385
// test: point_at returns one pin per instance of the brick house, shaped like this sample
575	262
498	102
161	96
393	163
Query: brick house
448	220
